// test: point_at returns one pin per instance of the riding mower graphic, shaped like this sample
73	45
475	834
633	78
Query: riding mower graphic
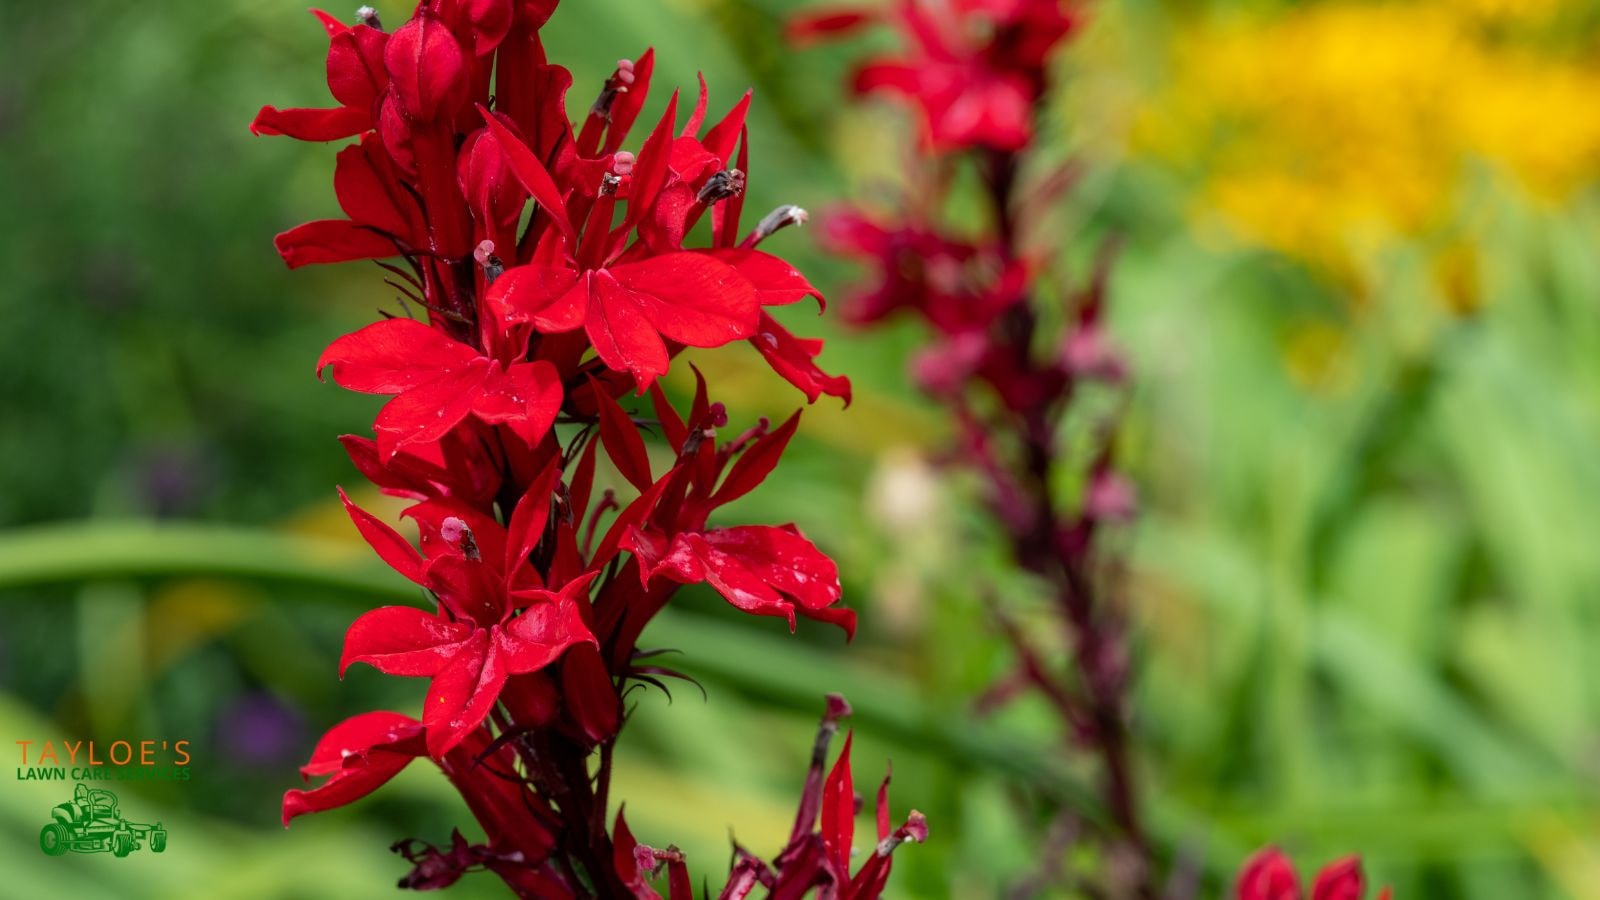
90	823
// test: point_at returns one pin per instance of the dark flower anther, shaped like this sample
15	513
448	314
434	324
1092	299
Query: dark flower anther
721	186
780	218
368	16
618	83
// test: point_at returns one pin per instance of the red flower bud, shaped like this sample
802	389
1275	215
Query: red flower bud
427	70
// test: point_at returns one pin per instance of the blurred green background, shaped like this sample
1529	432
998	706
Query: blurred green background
1359	287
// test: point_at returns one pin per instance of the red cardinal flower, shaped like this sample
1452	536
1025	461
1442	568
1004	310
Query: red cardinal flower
820	846
761	569
384	219
628	309
356	78
437	382
1269	875
517	315
973	69
489	624
359	755
468	661
362	753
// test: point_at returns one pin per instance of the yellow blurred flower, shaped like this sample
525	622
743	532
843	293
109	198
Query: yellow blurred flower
1327	131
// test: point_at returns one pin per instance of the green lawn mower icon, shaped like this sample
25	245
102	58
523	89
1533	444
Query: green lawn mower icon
90	823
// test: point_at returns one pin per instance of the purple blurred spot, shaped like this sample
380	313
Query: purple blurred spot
260	729
172	479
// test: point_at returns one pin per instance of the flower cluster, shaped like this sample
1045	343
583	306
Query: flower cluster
972	69
1269	875
525	337
1011	353
819	848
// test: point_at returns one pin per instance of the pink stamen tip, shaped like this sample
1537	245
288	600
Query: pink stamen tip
453	529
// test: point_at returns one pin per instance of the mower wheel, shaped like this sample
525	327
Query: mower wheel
121	844
53	839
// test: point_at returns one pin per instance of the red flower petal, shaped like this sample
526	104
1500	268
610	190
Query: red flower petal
725	215
528	393
402	476
622	441
547	628
590	697
723	136
533	175
838	825
463	693
427	413
1269	875
390	546
403	640
775	281
358	734
827	22
427	69
367	185
330	22
793	359
650	171
881	806
356	73
526	528
332	241
843	617
361	754
697	116
783	559
692	298
755	463
392	356
688	559
491	21
622	859
553	298
672	424
889	75
616	325
1340	880
469	589
311	124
